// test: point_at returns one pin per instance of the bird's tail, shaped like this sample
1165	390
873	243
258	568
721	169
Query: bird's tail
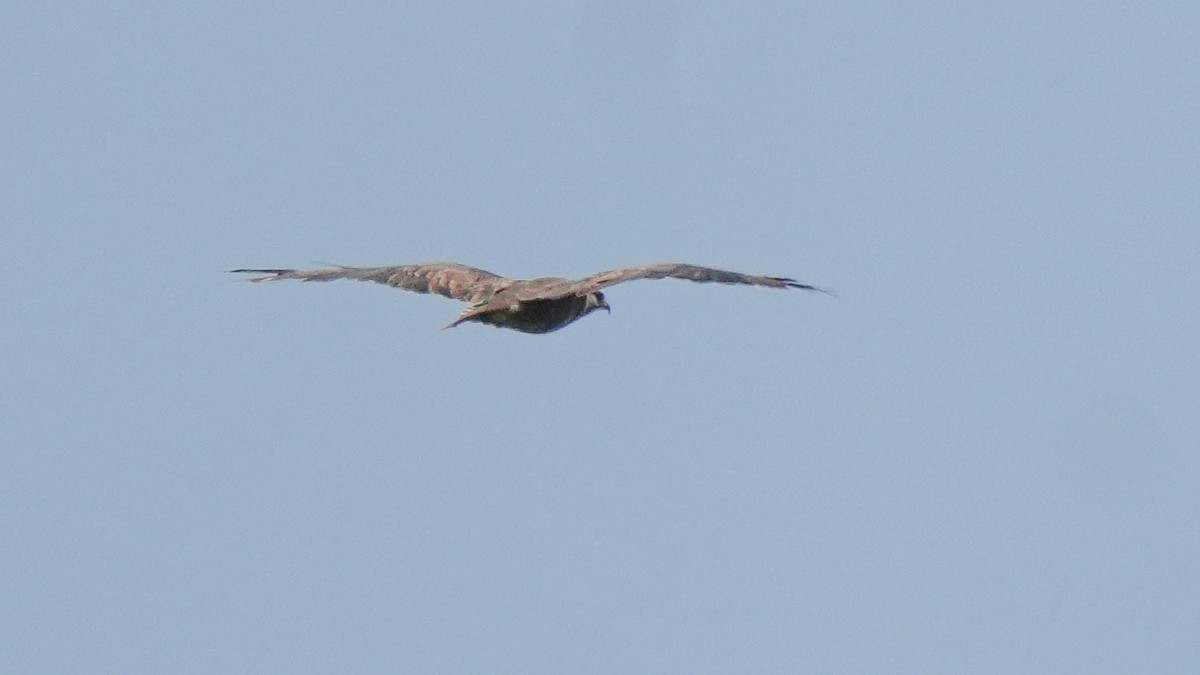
469	314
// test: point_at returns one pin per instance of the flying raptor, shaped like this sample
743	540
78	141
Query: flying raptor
529	306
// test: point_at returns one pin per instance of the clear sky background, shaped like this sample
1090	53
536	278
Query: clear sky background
980	456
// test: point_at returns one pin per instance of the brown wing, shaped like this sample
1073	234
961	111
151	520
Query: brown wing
451	280
554	288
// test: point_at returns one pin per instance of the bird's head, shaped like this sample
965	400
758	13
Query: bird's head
596	301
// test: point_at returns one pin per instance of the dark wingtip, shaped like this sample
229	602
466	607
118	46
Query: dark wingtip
792	283
270	274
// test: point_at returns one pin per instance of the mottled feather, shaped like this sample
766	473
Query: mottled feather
451	280
557	288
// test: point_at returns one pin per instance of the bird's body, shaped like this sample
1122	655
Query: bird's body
529	306
534	316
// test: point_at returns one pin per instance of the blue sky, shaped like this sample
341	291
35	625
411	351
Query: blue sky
980	456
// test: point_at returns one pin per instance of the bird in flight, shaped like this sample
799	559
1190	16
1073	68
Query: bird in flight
530	306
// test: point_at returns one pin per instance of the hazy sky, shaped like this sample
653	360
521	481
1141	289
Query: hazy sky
980	456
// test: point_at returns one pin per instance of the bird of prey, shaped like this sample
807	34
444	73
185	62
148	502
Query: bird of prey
530	306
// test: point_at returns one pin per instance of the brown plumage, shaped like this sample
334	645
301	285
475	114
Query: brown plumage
529	306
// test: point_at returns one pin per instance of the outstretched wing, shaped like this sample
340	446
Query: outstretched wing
451	280
602	280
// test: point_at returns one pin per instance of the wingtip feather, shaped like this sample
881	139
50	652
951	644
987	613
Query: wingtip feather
810	287
269	274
